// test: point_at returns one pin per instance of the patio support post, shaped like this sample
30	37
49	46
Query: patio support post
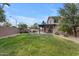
39	30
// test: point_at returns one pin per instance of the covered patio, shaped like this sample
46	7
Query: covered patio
47	28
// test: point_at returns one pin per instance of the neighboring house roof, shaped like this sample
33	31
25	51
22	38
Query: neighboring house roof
52	20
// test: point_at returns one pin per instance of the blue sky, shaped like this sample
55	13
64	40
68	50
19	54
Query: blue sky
30	13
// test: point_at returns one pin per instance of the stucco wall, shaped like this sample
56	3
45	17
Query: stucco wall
50	21
4	31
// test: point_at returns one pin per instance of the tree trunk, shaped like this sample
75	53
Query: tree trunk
75	32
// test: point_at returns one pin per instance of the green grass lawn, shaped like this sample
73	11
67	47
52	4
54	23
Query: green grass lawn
37	45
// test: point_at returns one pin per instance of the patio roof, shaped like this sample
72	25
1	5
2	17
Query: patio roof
41	25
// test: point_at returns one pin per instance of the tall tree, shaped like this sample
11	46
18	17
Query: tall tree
3	4
22	26
70	19
35	26
7	24
2	15
2	12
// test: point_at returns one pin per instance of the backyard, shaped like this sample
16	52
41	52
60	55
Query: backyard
37	45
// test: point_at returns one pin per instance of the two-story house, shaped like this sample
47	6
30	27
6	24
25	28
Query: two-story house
51	25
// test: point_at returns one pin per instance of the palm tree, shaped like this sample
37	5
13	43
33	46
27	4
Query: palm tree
70	18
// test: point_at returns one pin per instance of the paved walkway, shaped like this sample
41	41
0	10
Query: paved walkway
9	36
74	39
40	32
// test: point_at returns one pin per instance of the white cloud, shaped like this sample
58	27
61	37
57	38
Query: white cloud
24	19
54	12
6	6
